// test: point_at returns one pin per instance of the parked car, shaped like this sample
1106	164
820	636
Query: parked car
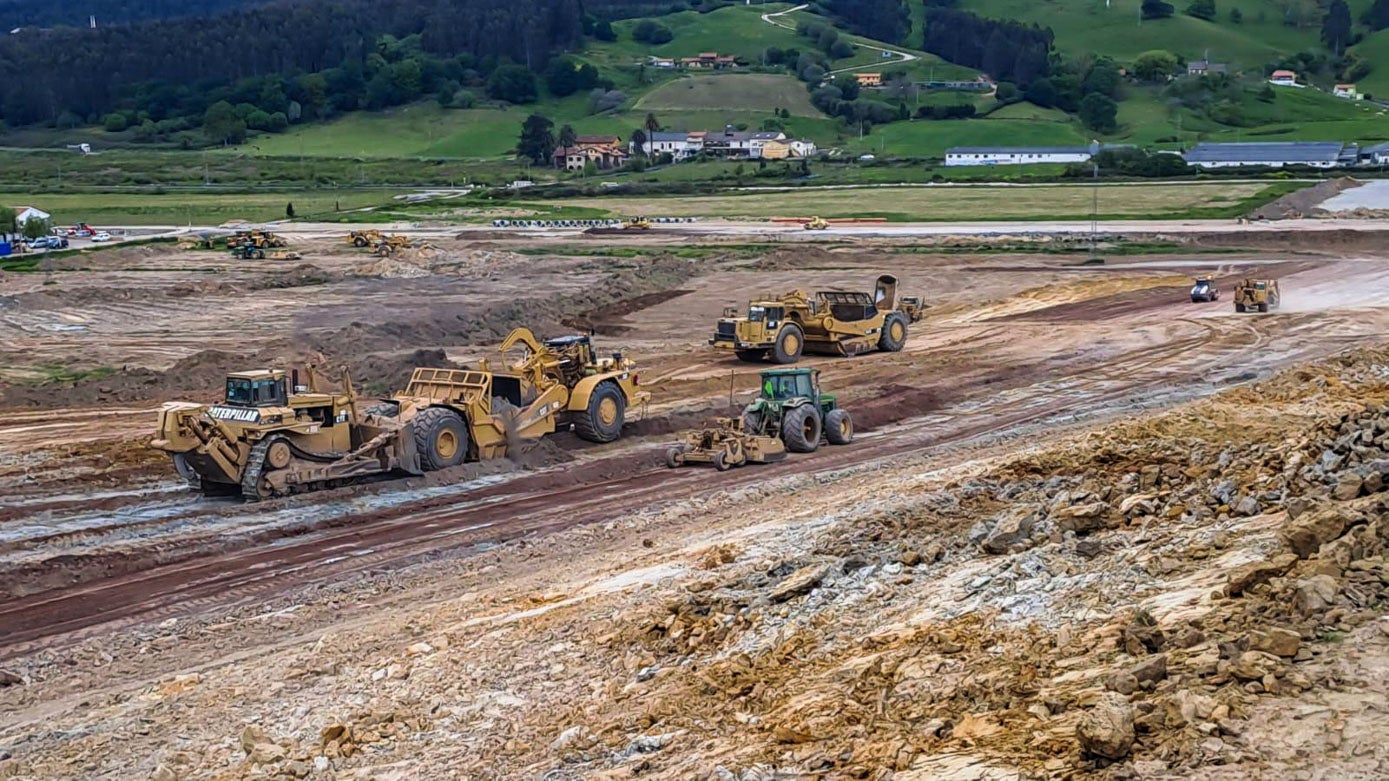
103	236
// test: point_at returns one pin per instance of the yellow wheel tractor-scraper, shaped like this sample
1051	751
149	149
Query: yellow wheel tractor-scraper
828	323
790	413
270	436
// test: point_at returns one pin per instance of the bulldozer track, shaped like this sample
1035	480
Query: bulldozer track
255	464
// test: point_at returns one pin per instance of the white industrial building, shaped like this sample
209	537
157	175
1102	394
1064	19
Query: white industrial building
1270	154
1017	155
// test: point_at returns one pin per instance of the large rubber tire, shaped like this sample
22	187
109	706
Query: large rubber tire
894	335
1239	308
359	242
1263	307
800	429
839	427
721	462
751	356
441	438
607	410
790	341
675	457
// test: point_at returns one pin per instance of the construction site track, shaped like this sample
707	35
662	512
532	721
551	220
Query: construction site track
490	515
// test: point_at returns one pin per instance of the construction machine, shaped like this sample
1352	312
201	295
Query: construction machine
817	224
271	436
260	239
366	238
828	323
1257	295
790	412
637	224
390	245
1204	290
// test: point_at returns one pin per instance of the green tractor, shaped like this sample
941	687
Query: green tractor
792	409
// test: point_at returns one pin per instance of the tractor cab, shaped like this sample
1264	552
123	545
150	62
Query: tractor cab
257	389
780	385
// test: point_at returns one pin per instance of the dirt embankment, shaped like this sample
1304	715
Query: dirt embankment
379	354
1303	203
431	324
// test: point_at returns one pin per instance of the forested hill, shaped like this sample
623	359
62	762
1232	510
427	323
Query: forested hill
77	13
89	72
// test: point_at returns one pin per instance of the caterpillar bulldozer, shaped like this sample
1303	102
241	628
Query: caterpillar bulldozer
366	238
784	327
271	436
789	413
1259	295
260	239
817	224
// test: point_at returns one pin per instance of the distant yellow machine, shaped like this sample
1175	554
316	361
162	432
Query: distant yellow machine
817	224
828	323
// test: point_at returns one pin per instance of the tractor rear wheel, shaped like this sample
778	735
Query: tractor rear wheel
751	356
602	420
441	438
894	335
800	429
789	342
839	427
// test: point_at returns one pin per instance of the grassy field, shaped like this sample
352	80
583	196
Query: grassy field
930	138
106	209
1115	29
1375	48
924	204
745	92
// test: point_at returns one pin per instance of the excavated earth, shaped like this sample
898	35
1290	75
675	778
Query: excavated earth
1087	528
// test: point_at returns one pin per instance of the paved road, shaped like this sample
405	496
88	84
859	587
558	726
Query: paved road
900	55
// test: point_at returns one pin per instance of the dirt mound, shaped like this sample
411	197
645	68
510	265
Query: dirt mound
893	403
197	375
603	319
1303	202
383	374
436	324
794	257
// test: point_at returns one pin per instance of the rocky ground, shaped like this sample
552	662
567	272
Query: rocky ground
1194	594
1088	545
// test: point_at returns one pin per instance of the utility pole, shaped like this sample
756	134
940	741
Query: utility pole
1094	209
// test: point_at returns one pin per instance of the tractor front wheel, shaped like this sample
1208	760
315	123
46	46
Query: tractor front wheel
441	438
800	429
839	427
789	343
602	420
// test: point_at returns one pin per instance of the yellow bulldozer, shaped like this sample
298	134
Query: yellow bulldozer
259	239
366	238
271	436
817	224
784	327
1257	295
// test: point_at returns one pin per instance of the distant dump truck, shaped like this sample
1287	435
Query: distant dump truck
1257	295
271	437
1204	290
827	323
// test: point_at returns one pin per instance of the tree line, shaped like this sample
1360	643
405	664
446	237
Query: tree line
76	13
885	20
1004	49
180	67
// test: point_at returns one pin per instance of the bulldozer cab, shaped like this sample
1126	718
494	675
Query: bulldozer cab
885	293
257	389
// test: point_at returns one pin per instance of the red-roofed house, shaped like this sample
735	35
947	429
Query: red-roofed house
1283	78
